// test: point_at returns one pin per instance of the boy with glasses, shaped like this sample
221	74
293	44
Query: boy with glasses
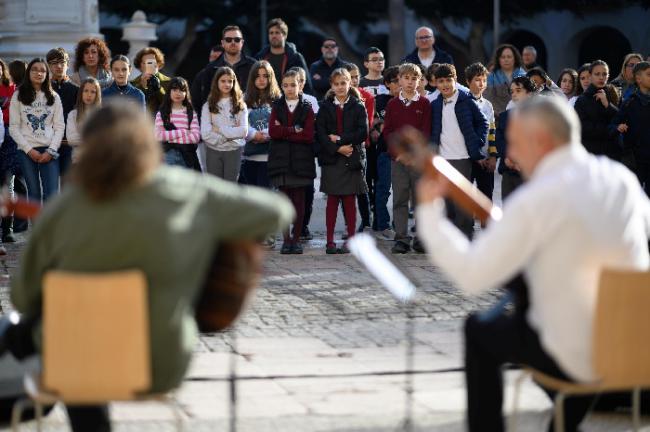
374	61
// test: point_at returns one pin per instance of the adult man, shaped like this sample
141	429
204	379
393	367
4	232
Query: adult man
282	54
424	52
320	70
529	56
232	42
576	215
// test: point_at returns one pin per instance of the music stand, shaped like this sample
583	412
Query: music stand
388	273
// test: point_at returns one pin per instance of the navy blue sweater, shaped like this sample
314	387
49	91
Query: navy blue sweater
440	57
473	124
129	92
635	113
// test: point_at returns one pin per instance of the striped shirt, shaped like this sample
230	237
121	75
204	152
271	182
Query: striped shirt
183	134
486	108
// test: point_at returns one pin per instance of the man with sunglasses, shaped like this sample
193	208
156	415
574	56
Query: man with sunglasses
232	42
424	52
321	70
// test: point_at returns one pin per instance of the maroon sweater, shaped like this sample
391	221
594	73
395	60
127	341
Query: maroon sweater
398	115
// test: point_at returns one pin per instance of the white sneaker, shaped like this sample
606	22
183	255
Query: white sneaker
385	235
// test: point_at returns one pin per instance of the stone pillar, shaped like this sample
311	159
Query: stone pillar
138	33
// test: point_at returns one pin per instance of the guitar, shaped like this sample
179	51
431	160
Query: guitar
413	150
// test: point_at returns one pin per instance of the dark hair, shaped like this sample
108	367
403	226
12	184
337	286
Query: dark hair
26	91
178	83
474	70
278	22
102	50
160	57
17	70
431	71
329	38
538	71
446	71
574	79
57	55
640	67
236	97
121	58
255	97
120	151
371	50
499	51
4	74
597	63
525	82
228	28
390	73
584	68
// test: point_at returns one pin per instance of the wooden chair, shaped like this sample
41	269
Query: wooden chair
95	343
621	351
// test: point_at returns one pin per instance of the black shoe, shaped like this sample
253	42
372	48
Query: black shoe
6	322
296	249
20	225
331	249
8	237
345	235
344	249
286	248
400	248
306	235
417	246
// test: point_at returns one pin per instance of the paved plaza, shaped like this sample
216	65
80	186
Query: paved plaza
322	348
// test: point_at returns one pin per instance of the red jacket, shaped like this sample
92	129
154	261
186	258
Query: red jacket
369	102
6	92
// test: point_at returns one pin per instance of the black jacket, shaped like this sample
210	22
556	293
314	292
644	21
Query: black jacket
287	157
355	129
441	57
203	80
67	91
595	120
321	68
292	58
635	113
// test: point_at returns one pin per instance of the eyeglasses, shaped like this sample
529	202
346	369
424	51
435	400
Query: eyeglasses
233	39
631	65
329	46
424	37
377	60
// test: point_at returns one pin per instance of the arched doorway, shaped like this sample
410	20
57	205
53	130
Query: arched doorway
522	38
604	43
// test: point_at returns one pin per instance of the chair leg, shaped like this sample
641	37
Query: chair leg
512	424
636	409
559	412
17	413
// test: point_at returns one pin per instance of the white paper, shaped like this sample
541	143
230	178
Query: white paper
363	247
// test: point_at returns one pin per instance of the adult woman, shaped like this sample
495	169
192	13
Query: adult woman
120	88
596	108
165	221
91	60
507	65
36	124
625	79
153	83
568	82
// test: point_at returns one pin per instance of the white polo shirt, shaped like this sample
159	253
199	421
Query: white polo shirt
452	141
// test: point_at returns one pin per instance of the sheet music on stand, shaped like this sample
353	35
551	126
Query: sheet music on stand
364	249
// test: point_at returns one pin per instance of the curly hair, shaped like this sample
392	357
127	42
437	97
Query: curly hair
236	96
102	50
515	52
160	57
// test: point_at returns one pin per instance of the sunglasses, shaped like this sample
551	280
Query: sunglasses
233	39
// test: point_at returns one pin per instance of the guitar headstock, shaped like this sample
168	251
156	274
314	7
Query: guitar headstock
411	147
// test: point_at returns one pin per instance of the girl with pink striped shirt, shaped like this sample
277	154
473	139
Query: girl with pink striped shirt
177	126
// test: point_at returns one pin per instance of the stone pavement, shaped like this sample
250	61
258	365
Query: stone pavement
322	348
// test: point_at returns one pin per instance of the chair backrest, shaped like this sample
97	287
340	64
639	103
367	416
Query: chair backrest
96	335
622	325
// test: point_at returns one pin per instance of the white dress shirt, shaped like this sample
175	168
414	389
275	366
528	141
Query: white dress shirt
452	141
577	215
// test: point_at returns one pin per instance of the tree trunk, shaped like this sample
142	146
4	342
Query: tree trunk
396	41
189	36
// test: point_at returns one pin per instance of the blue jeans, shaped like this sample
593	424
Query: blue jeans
175	158
65	159
382	191
42	179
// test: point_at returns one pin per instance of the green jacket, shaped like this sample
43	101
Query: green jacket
153	98
170	228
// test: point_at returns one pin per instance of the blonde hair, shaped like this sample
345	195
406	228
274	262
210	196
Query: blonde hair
342	72
120	151
236	96
410	69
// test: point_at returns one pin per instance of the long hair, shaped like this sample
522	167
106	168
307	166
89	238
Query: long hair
574	79
342	72
17	70
257	97
5	80
515	52
626	60
236	97
120	151
103	53
80	106
178	83
584	68
26	91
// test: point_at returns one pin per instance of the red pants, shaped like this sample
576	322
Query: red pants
297	197
332	209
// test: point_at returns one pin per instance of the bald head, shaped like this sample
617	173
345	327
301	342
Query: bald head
537	127
424	39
